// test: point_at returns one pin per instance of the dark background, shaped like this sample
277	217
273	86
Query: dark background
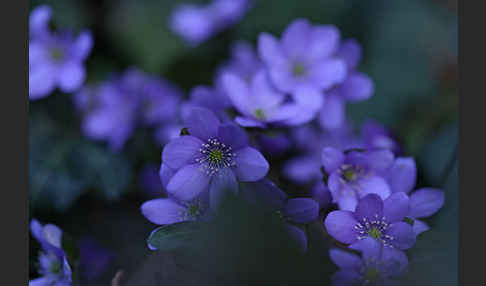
410	50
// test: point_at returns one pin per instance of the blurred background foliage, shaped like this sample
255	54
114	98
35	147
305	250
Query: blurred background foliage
410	51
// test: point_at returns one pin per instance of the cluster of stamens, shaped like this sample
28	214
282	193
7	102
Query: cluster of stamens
374	228
350	173
193	211
215	156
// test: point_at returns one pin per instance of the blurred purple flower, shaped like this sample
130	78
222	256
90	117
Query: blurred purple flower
197	23
214	156
261	105
94	259
244	62
213	99
375	218
377	265
112	110
267	195
305	167
355	87
55	59
53	264
354	174
376	136
302	63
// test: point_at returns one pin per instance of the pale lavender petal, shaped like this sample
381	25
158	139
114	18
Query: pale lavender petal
52	234
222	182
374	185
369	207
302	169
39	20
301	210
166	174
269	50
181	151
202	123
332	158
248	122
43	281
188	182
83	45
42	81
370	248
324	41
71	76
348	201
345	259
263	94
340	225
357	87
350	52
333	113
250	165
419	227
425	202
238	92
233	136
379	160
402	175
396	207
163	211
403	235
309	98
295	38
328	73
293	114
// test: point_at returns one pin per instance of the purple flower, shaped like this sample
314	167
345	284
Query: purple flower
53	265
291	210
355	87
321	194
170	210
244	62
213	99
108	113
376	266
376	136
112	110
305	168
260	105
55	59
375	218
197	23
424	202
94	259
354	174
302	62
274	144
215	155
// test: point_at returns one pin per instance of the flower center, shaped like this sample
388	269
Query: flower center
372	275
298	70
55	267
57	54
350	173
375	228
375	233
215	156
259	114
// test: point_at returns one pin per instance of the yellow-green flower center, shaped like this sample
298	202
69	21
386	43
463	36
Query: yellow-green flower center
259	114
374	232
372	275
350	175
57	54
298	70
215	156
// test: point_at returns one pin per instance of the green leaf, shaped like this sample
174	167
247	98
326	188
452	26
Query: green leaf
169	237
